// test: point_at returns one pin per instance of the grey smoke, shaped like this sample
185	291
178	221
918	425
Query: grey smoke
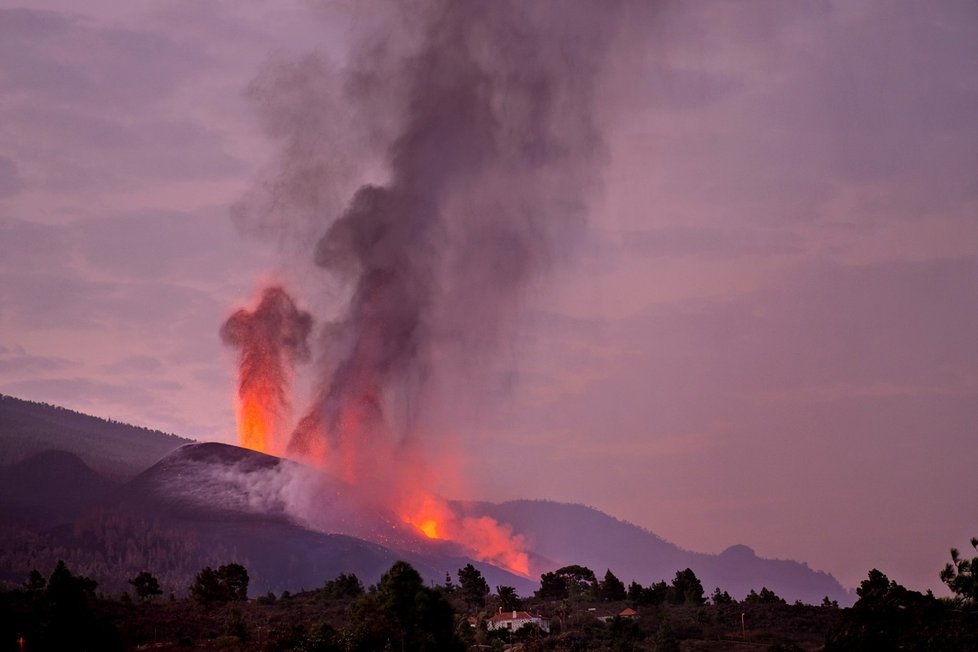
482	115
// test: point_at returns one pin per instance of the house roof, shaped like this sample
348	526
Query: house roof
503	616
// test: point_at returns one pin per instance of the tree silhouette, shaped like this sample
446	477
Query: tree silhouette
580	580
343	587
721	597
961	575
401	613
35	581
227	583
686	588
552	587
508	599
473	585
875	587
654	594
235	577
67	591
766	596
612	588
146	585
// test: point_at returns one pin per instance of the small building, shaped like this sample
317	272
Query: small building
513	620
627	612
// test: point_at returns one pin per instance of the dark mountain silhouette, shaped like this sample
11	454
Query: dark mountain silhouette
575	534
293	527
289	522
50	488
206	504
117	450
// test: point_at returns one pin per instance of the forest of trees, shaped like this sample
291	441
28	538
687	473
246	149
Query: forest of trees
64	610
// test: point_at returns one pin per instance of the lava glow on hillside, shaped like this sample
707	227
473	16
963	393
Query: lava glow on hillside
271	338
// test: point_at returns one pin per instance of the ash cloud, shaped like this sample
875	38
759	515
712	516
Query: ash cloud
481	117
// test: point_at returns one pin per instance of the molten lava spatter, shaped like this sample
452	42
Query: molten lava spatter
271	340
256	420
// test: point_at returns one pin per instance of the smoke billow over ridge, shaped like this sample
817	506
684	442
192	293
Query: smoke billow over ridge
481	118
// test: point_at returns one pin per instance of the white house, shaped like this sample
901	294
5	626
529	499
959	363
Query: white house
513	620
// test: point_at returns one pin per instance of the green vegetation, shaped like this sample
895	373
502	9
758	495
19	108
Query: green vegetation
146	585
888	616
112	545
399	612
474	587
226	584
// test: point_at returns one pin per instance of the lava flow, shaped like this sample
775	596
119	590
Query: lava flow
489	540
396	474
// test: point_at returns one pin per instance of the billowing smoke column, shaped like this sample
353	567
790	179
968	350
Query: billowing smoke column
271	340
490	149
491	162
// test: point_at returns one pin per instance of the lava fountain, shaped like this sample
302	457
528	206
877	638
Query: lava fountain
270	339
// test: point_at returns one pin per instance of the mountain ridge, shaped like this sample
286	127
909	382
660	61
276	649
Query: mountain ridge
230	497
576	534
115	449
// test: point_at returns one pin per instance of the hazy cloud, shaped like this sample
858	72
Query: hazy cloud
15	362
703	241
10	182
135	364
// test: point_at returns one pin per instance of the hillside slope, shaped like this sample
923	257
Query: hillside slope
297	524
50	488
290	522
575	534
114	449
206	505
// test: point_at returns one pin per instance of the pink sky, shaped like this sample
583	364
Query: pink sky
767	335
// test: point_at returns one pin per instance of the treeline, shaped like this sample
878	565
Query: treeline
112	546
573	610
64	612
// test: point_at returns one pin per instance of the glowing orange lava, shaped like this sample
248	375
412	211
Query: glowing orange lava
270	340
430	528
255	424
258	412
352	439
486	538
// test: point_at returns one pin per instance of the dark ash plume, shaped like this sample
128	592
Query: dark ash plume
488	110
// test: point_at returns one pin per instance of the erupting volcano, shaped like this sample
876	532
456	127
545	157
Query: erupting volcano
271	339
483	112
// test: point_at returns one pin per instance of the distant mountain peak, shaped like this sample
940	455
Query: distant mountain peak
739	551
